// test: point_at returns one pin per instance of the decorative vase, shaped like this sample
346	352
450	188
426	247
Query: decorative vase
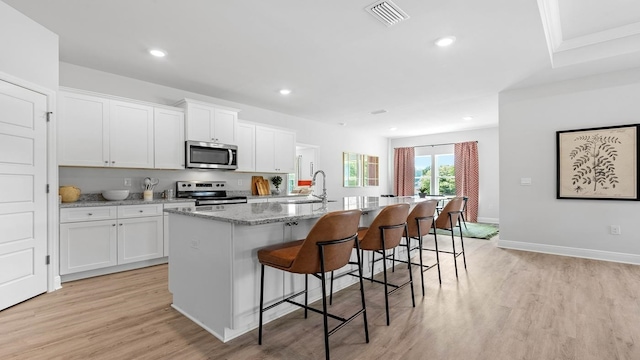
422	195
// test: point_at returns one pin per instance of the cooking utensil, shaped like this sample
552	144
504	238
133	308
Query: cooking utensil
154	182
147	184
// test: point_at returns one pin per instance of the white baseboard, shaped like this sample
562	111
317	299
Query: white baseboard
486	220
569	251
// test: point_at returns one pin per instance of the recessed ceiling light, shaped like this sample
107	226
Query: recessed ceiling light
157	53
445	41
393	129
467	118
285	91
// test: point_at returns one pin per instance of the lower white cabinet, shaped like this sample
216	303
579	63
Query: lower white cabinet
87	245
99	237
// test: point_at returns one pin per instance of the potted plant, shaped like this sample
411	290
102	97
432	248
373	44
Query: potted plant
423	191
276	181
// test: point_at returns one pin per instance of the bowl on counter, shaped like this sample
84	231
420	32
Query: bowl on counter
114	195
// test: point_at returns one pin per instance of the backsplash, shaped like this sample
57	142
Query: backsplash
95	180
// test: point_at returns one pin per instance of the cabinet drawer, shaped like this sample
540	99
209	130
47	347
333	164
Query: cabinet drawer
87	214
134	211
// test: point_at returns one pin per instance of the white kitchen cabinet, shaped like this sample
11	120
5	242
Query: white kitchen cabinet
246	141
88	239
140	239
275	150
168	139
107	131
83	130
100	237
208	122
130	135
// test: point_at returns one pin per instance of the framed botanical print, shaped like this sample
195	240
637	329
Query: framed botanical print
598	163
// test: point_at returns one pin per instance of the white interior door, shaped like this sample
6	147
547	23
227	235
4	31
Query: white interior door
23	212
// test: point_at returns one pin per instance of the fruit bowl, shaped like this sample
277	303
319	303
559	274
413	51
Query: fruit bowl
114	195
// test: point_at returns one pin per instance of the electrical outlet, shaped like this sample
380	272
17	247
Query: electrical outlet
195	244
240	182
615	229
127	181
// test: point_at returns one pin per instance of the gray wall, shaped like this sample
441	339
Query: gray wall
531	216
488	210
331	139
29	50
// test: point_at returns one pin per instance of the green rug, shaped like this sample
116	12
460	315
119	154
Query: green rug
474	230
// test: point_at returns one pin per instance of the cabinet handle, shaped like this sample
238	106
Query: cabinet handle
113	162
106	162
90	214
113	224
141	211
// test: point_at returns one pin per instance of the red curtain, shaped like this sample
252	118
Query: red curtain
467	176
404	160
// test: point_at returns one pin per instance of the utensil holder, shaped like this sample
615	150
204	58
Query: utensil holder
147	195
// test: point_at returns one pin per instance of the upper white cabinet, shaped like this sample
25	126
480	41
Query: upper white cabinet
275	150
109	132
130	135
83	130
246	141
208	122
169	139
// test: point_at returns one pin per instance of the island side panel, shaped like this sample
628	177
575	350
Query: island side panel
200	271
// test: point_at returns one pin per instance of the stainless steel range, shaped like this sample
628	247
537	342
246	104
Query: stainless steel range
207	193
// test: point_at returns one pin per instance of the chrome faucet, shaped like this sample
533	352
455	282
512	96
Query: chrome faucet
324	186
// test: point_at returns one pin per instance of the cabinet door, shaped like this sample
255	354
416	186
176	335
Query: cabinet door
265	145
224	126
131	135
87	245
285	151
83	130
140	239
199	120
168	128
246	141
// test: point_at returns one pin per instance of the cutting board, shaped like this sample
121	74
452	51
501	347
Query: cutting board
254	184
263	187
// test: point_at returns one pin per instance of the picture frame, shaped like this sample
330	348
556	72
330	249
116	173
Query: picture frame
598	163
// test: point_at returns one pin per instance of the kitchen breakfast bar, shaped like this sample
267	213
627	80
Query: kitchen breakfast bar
214	273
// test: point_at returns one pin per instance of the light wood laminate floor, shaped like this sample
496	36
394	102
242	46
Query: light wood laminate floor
508	305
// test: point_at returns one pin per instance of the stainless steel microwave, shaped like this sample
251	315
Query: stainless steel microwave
206	155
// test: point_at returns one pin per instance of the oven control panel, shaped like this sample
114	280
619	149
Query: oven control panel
200	185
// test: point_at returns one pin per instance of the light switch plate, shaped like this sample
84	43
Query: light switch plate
525	181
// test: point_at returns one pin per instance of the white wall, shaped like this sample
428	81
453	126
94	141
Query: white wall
531	216
29	50
331	139
488	210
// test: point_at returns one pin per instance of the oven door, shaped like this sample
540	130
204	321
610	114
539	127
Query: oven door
204	155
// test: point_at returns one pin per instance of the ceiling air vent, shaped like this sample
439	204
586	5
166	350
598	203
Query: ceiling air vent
387	12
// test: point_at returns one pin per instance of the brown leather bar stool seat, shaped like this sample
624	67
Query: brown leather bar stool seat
326	248
385	233
448	220
419	222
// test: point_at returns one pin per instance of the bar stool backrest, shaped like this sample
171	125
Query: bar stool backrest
444	221
421	210
391	215
335	225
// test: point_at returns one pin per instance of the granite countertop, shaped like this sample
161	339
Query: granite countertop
273	212
90	200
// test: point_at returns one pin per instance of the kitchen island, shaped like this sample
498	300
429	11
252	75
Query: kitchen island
214	273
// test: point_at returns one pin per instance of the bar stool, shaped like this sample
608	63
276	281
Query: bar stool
327	247
448	219
419	222
392	225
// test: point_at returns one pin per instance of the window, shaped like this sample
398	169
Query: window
435	170
360	170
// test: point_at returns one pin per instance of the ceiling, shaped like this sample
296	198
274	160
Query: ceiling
340	62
